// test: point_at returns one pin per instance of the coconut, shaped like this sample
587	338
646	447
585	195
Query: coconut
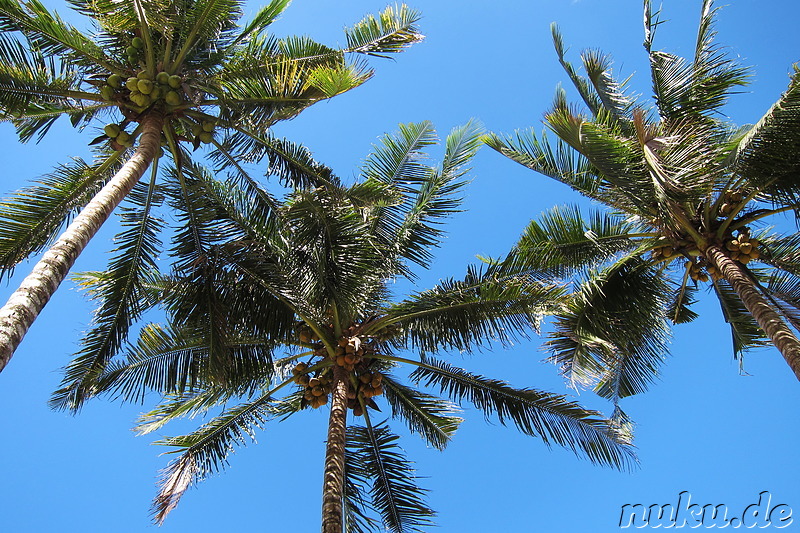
131	51
137	43
162	78
145	86
173	98
174	81
132	84
112	130
115	80
206	137
208	126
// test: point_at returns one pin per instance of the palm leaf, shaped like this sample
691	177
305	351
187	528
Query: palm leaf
122	295
31	218
614	330
466	314
206	450
393	493
390	32
427	415
548	416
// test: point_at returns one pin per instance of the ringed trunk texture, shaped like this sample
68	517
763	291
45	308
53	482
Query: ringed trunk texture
333	485
25	304
770	321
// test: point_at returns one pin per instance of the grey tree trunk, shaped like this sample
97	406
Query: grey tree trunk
765	316
25	304
333	485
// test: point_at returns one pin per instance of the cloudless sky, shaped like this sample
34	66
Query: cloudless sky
704	428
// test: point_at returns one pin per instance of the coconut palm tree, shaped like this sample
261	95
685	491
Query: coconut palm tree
283	310
175	73
687	198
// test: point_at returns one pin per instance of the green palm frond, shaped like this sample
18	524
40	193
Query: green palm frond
693	89
437	197
205	451
559	162
356	508
614	330
391	31
610	91
548	416
122	296
783	289
31	218
427	415
393	491
170	361
562	241
466	314
265	16
767	154
293	164
583	85
50	35
180	405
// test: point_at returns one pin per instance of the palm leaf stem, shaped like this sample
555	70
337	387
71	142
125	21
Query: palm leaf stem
750	219
144	29
738	208
190	39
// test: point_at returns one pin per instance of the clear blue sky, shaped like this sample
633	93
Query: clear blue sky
704	428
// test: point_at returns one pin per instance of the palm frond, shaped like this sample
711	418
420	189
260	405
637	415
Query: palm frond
559	162
393	492
563	241
50	35
31	218
427	415
745	333
122	296
614	330
437	197
548	416
467	314
767	155
390	32
205	451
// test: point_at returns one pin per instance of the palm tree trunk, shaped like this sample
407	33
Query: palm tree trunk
770	321
25	304
333	486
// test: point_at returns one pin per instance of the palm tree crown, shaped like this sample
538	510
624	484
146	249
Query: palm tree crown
687	196
174	74
261	301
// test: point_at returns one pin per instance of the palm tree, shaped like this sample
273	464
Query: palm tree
299	296
687	197
174	73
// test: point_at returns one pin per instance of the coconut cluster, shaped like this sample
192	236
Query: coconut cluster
315	389
729	200
355	354
742	247
142	89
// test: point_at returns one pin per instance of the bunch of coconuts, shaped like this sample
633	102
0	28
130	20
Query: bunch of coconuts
352	351
671	250
729	201
119	137
696	270
742	248
143	90
315	389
